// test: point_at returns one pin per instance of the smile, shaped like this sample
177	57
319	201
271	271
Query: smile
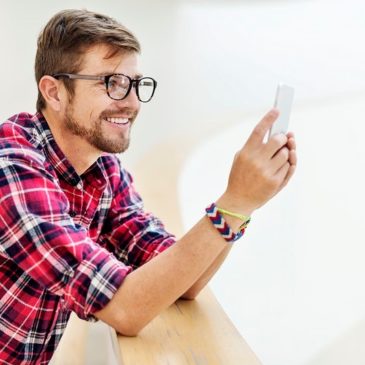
117	120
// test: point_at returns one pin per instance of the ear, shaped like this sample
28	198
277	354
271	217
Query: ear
50	89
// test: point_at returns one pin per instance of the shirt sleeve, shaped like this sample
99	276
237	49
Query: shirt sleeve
136	235
37	233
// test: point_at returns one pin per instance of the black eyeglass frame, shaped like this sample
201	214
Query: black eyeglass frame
106	79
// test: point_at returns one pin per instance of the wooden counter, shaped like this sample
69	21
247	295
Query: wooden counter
188	332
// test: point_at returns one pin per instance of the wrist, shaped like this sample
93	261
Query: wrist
224	220
228	202
231	203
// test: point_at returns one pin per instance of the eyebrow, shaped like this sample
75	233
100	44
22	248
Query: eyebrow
136	76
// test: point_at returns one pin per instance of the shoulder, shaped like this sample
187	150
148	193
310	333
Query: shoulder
18	139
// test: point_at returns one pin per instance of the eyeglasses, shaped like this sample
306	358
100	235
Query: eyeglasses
118	86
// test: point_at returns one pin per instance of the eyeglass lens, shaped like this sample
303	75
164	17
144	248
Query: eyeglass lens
119	85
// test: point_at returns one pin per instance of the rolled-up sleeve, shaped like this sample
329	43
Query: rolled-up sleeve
37	233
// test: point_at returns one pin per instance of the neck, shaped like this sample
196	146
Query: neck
77	150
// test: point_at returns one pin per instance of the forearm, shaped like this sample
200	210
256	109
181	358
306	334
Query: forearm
157	284
203	280
234	223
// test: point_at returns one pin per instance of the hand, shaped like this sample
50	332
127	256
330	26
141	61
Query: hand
260	170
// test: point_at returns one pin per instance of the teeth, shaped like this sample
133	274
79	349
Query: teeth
117	120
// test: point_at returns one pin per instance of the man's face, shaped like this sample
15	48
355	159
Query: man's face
91	114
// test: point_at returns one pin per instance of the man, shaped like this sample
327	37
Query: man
73	233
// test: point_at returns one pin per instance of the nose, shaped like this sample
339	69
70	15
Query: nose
131	100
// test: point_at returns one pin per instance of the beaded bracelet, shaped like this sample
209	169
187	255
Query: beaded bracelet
215	215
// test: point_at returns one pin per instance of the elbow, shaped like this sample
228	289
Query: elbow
190	295
187	297
127	326
127	329
127	332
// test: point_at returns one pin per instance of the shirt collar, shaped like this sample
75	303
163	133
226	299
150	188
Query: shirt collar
53	152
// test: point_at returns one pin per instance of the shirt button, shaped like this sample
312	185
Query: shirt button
72	214
79	186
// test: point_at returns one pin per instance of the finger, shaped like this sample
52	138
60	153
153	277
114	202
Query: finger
279	160
263	127
292	157
290	135
292	145
274	144
282	174
288	176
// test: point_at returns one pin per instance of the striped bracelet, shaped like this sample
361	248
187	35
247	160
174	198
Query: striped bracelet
215	215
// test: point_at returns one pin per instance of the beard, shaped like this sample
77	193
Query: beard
94	135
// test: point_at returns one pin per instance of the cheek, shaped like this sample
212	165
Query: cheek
89	104
86	113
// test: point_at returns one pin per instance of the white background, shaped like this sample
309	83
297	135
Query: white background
294	287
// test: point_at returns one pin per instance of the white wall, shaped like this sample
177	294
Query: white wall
218	63
293	285
212	59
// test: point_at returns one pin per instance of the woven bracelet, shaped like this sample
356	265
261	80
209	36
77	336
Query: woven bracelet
215	215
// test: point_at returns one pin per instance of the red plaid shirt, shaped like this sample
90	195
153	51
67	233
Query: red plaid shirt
66	241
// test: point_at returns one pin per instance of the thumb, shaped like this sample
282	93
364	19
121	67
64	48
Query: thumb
259	132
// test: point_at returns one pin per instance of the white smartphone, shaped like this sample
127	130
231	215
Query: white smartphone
283	102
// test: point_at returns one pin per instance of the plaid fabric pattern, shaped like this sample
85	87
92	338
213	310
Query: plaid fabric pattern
66	241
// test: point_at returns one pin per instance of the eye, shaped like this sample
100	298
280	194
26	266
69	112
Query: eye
118	81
